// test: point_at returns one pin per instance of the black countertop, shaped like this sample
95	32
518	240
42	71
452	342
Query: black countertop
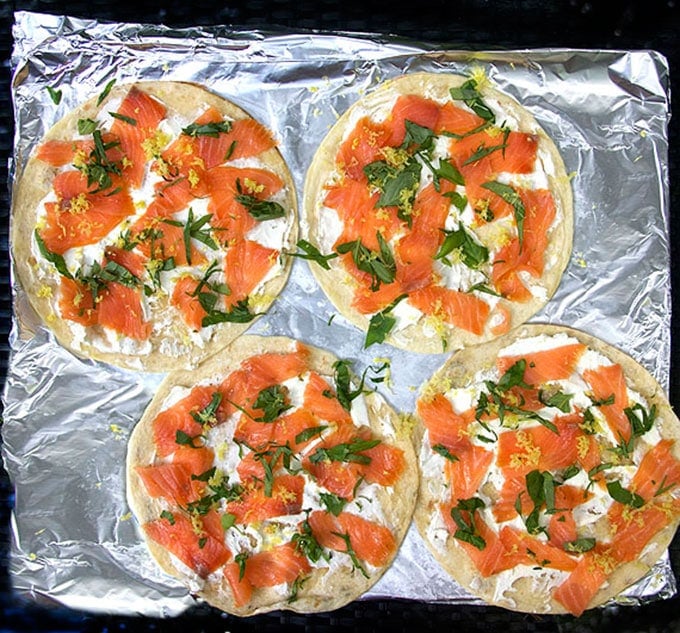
466	24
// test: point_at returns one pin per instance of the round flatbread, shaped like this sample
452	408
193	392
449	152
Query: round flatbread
439	213
266	480
147	225
550	470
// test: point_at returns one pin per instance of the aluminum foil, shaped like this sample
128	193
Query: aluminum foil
67	421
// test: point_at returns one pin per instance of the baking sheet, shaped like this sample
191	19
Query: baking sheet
66	420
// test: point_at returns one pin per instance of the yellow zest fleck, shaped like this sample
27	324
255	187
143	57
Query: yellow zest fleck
643	133
32	556
531	454
494	131
285	495
406	423
260	301
313	89
193	178
480	77
79	204
605	561
582	446
580	260
39	532
197	524
387	363
252	186
51	317
79	158
394	156
221	451
44	291
126	517
436	386
217	478
126	162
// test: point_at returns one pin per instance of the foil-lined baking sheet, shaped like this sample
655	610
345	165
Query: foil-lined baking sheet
67	420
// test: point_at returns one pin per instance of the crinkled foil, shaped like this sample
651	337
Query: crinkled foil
67	421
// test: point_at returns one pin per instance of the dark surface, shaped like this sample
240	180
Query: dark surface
463	24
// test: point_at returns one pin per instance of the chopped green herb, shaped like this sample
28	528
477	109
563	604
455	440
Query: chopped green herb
207	415
440	449
273	401
482	152
228	520
86	126
558	400
55	95
168	516
261	210
240	559
350	452
105	93
467	530
352	554
642	423
472	253
122	117
307	544
381	323
333	503
213	129
311	252
510	196
580	545
398	185
308	434
468	93
53	258
619	493
184	439
239	313
381	265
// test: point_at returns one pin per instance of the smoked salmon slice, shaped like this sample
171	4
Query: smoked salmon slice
81	217
413	108
204	553
256	505
246	264
321	400
444	427
557	363
60	153
76	302
467	473
363	146
371	542
464	310
170	481
241	589
576	592
658	472
142	115
608	382
281	564
184	299
120	309
455	120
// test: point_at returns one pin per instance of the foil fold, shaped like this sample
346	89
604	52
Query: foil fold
67	420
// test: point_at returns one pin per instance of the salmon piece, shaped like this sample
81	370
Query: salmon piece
576	592
76	302
131	261
326	408
408	278
335	477
172	196
241	588
256	181
514	487
444	426
252	433
635	529
281	564
259	372
189	306
493	558
519	156
81	217
466	475
169	481
287	427
196	460
589	456
546	365
168	243
250	467
182	541
246	264
532	551
538	447
562	529
430	210
370	541
60	153
364	145
658	470
254	505
356	207
249	137
456	120
147	114
120	309
463	310
386	466
415	109
502	326
607	381
513	258
178	418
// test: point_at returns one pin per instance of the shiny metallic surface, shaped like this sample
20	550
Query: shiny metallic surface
67	420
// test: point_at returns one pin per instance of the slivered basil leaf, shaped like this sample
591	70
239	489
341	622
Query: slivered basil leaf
619	493
55	95
514	376
86	126
272	401
381	324
457	200
312	253
309	433
558	400
472	253
168	516
468	93
440	449
239	313
345	452
580	545
482	152
261	210
122	117
213	129
105	93
419	135
643	423
53	258
512	198
333	503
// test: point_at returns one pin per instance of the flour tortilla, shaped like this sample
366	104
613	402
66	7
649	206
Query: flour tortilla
529	594
165	352
324	590
336	282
